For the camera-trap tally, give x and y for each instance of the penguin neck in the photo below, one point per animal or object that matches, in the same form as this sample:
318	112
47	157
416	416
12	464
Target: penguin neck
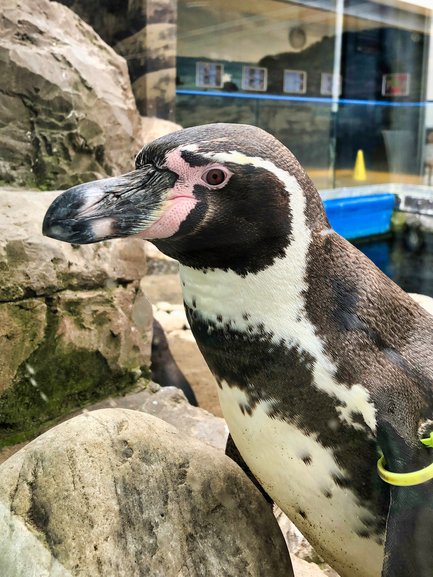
267	298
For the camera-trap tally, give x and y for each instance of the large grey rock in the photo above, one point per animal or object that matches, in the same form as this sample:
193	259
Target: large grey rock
118	492
171	405
67	111
144	32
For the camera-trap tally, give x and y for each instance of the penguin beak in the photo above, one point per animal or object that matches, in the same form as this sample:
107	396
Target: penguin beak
109	208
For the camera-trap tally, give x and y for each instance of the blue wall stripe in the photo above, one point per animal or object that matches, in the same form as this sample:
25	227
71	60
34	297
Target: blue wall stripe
321	100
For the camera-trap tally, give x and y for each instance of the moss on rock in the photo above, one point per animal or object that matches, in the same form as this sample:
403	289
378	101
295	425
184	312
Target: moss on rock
71	363
22	328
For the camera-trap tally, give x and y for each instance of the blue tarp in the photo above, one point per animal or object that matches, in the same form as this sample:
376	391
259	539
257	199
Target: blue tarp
360	216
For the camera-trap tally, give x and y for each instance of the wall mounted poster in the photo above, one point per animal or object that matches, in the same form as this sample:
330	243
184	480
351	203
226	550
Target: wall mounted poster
326	84
209	74
397	84
295	81
254	78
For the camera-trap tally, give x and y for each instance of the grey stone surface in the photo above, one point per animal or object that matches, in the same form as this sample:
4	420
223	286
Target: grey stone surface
74	325
152	128
171	405
32	265
144	33
118	492
67	110
302	568
59	353
306	562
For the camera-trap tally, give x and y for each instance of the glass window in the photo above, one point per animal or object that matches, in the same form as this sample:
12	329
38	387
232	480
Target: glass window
329	78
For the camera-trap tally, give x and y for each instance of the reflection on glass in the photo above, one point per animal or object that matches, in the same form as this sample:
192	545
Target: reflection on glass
295	81
209	74
254	78
396	84
326	82
274	65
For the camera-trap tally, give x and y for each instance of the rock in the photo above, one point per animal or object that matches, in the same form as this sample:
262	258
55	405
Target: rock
158	262
67	110
15	348
303	569
166	287
65	122
152	128
175	320
185	335
162	317
144	32
168	307
296	542
114	323
120	492
74	327
32	265
171	405
66	351
163	367
154	92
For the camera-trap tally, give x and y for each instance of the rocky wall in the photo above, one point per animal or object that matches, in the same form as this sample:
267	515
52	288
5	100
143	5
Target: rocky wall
67	110
74	325
144	33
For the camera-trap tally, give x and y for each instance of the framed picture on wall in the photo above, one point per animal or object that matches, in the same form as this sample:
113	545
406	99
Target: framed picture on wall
396	84
295	81
326	79
254	78
209	74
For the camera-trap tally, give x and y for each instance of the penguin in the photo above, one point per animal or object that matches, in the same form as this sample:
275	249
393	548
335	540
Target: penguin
323	364
164	369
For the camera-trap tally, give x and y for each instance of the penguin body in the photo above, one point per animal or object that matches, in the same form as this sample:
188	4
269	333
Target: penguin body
307	438
321	360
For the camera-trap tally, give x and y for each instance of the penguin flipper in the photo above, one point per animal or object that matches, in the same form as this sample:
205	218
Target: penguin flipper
409	525
232	452
409	532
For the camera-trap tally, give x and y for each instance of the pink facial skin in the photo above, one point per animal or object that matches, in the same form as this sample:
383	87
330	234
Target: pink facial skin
181	200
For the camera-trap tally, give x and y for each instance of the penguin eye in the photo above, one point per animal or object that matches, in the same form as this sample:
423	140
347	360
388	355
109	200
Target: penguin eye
214	176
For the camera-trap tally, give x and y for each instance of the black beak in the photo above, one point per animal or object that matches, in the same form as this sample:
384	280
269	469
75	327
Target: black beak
109	208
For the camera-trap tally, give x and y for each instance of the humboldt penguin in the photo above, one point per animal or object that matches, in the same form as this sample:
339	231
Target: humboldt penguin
323	364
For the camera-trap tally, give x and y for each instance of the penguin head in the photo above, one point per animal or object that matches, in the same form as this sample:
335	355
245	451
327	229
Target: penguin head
212	196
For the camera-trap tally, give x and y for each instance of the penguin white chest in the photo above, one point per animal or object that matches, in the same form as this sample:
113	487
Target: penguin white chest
258	326
299	474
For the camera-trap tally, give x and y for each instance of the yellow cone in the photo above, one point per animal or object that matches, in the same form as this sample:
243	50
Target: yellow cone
359	172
